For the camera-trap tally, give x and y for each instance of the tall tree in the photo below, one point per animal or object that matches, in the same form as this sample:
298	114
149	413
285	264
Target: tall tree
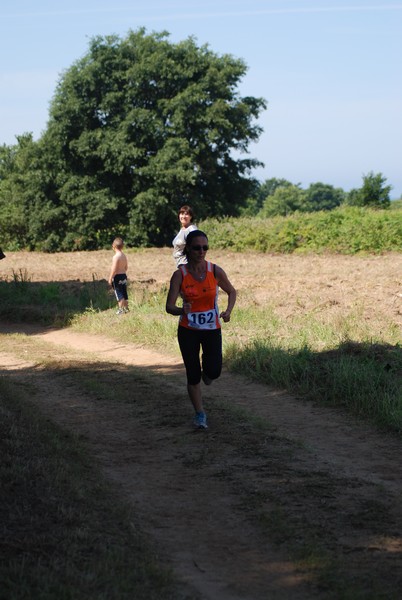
13	222
22	186
138	124
260	193
373	193
31	215
322	196
284	201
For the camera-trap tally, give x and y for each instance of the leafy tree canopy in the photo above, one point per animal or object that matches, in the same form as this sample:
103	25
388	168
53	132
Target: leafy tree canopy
25	193
284	201
269	186
281	197
373	193
259	194
138	126
322	196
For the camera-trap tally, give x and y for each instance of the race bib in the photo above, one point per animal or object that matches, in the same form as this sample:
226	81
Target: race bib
202	320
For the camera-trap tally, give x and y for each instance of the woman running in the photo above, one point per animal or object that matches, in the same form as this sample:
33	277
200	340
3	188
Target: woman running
197	283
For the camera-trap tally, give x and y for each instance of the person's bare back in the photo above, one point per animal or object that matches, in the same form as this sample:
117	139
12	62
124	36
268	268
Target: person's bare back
119	264
119	261
117	277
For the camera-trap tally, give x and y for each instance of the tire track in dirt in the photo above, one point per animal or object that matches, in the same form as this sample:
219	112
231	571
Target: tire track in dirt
196	521
332	438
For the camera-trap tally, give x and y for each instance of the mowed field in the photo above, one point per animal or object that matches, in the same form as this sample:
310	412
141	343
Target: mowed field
331	288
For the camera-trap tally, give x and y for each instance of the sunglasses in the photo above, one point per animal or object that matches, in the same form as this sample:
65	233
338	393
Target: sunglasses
198	248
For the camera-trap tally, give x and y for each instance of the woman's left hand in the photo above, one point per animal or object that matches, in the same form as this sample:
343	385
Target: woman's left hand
186	307
225	315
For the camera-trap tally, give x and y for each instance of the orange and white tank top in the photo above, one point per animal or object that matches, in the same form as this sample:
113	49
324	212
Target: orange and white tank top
203	297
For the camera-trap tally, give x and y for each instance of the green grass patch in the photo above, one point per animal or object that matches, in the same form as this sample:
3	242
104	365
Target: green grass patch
364	378
64	536
50	303
147	322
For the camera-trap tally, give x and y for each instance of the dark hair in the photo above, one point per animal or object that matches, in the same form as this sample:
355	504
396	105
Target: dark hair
193	234
186	208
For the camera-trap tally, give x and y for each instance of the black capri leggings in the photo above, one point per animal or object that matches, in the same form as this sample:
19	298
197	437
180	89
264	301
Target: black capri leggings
190	342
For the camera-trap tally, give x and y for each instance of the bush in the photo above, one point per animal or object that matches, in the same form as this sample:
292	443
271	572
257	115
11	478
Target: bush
345	230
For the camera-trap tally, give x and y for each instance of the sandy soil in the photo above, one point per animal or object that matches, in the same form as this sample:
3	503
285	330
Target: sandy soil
337	482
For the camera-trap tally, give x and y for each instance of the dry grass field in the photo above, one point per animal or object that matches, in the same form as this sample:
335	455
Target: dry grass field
329	286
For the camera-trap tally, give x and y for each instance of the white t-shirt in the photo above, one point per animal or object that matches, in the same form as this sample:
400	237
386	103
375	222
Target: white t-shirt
179	243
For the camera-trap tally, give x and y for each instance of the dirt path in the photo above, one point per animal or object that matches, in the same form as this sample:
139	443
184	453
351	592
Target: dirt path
320	476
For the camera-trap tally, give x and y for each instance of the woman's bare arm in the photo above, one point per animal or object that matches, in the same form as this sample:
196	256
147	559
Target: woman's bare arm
224	283
173	294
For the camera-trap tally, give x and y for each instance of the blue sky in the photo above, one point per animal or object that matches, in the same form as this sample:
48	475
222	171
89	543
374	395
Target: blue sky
329	70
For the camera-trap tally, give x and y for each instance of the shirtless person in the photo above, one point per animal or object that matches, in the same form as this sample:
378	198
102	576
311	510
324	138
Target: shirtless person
118	276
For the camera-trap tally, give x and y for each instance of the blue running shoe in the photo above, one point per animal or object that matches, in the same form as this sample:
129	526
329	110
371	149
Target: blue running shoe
200	420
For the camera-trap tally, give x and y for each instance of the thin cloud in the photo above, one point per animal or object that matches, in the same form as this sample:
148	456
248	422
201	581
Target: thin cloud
212	14
277	11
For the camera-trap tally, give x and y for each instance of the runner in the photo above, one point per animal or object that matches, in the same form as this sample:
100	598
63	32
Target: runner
197	282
